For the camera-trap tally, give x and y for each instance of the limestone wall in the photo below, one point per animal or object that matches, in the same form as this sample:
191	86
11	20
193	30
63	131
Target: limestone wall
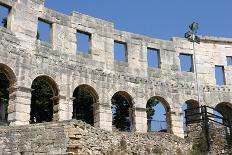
75	137
216	140
24	58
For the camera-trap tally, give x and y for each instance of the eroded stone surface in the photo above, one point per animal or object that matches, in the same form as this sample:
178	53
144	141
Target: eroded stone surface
76	137
23	58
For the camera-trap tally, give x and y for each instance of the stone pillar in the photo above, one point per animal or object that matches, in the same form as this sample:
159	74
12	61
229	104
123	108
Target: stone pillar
55	101
103	116
19	105
140	120
64	108
176	123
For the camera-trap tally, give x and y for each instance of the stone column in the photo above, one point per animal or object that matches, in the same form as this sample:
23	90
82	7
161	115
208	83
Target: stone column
140	120
64	108
176	123
19	105
103	116
55	101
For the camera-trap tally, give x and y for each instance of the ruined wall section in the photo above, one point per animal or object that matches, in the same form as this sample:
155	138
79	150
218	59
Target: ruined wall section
76	137
98	69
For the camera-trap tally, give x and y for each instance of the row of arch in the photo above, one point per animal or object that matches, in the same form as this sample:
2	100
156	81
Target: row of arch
85	100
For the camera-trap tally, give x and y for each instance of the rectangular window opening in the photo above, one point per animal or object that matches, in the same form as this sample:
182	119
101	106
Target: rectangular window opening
4	12
83	42
153	58
220	75
229	60
186	62
43	31
120	51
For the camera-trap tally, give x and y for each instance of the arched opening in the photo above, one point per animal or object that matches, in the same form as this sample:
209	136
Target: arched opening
4	98
224	110
191	110
158	115
7	79
122	113
85	98
44	89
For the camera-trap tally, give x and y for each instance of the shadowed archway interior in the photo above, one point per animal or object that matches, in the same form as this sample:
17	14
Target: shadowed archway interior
4	97
225	110
43	91
190	109
7	80
85	98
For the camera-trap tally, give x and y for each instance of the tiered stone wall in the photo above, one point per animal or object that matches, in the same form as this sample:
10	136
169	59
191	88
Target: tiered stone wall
23	58
76	137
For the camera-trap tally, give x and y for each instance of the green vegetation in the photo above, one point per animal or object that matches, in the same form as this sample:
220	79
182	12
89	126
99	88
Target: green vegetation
41	102
83	105
123	144
120	107
37	36
150	110
157	150
4	22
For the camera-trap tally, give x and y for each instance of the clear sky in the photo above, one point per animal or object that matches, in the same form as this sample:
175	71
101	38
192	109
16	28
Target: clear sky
156	18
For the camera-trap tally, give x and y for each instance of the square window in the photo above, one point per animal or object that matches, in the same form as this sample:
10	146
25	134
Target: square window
229	60
120	51
153	58
83	42
43	31
4	12
220	75
186	62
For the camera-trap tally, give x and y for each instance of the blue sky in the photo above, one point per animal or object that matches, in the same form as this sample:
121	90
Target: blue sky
158	18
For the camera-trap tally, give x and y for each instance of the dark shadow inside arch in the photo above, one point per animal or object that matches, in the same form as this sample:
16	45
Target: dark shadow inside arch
191	110
43	91
85	98
224	110
158	116
7	80
4	98
122	111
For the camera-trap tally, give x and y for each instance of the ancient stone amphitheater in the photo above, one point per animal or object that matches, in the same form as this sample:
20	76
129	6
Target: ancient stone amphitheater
24	58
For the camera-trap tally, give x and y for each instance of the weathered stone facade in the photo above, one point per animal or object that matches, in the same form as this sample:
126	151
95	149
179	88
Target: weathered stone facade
76	137
23	58
216	140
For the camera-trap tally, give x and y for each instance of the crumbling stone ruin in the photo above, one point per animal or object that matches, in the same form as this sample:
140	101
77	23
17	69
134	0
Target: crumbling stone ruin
24	58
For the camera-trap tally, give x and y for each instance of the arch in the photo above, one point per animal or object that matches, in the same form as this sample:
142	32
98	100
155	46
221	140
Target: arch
52	84
9	73
122	111
192	103
191	108
158	115
91	90
225	110
163	101
85	104
127	96
7	79
43	99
